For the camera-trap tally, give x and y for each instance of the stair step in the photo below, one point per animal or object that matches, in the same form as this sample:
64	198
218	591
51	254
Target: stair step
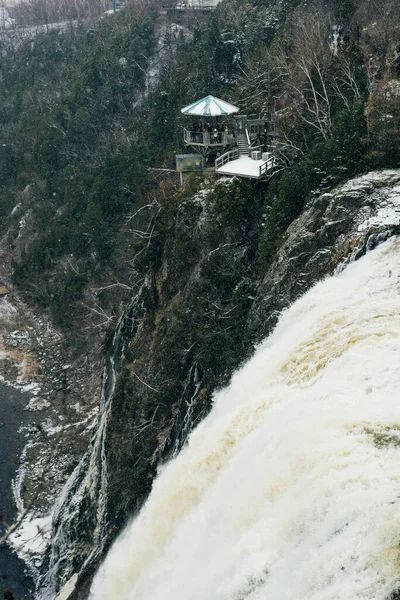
242	144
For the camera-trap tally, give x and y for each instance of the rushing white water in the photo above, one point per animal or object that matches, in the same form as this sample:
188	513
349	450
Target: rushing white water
290	488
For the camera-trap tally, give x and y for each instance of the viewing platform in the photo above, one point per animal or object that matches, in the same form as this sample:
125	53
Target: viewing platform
188	5
237	145
254	165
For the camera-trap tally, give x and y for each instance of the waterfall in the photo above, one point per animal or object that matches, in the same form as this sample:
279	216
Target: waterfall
290	488
86	488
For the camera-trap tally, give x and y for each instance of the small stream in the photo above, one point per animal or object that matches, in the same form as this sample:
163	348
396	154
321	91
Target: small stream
13	574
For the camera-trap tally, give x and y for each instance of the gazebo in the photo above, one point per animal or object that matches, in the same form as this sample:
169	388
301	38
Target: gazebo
208	132
240	146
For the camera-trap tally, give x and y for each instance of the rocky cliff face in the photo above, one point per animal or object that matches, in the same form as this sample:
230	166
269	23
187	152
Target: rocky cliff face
179	337
335	228
199	312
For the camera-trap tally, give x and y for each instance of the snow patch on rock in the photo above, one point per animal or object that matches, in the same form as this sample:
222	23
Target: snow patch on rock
32	538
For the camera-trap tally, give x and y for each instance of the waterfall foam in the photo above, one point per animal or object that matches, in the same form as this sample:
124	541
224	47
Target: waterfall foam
290	488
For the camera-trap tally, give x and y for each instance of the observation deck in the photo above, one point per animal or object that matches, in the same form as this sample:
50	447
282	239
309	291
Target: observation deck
254	165
238	145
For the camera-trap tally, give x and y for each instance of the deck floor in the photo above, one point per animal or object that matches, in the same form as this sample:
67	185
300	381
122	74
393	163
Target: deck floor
243	167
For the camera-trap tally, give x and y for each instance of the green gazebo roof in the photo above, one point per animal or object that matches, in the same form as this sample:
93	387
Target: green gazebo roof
210	106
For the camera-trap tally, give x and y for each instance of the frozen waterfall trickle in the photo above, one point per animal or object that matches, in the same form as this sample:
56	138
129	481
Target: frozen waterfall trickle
290	488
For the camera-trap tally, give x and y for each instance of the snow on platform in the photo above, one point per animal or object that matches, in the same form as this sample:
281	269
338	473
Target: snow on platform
243	166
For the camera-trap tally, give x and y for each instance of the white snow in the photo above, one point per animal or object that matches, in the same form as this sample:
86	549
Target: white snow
30	387
16	209
369	180
387	212
37	404
243	167
32	538
392	89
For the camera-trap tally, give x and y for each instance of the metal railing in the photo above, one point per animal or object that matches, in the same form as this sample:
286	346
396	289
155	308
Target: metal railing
227	157
255	125
267	166
255	149
247	137
235	154
206	138
183	6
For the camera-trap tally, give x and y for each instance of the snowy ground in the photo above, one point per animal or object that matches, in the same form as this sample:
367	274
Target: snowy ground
31	539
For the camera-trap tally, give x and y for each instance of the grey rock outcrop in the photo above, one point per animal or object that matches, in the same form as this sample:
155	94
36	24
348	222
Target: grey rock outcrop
335	228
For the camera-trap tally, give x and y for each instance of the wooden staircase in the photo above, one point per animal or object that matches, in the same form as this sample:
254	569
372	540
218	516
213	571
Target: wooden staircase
242	144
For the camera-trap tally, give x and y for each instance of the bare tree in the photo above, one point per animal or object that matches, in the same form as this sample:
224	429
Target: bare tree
260	82
305	69
345	83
